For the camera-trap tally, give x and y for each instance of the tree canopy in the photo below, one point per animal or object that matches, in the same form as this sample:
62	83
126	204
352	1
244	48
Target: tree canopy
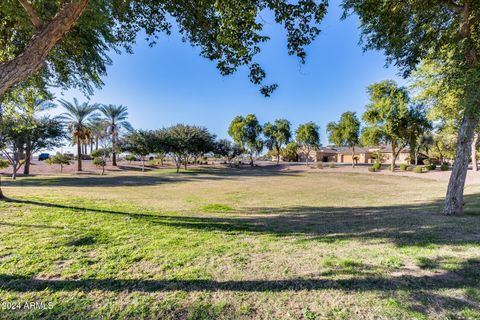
246	132
277	135
76	38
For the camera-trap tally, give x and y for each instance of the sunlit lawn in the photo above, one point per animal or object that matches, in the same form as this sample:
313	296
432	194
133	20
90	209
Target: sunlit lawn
237	243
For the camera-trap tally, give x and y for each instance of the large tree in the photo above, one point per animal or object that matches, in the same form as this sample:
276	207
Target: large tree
114	120
77	117
346	132
308	137
140	143
440	30
246	132
67	43
387	117
277	135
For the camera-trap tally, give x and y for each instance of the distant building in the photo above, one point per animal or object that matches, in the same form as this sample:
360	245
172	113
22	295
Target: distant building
362	154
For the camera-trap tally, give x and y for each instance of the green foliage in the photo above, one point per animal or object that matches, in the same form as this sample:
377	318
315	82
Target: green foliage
307	135
228	32
59	159
4	164
404	166
225	148
444	167
373	169
290	152
246	131
101	153
277	135
431	167
130	157
99	162
346	131
377	166
426	161
418	169
140	143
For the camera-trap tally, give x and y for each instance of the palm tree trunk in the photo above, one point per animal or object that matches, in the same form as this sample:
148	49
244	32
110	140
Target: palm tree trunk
114	145
79	154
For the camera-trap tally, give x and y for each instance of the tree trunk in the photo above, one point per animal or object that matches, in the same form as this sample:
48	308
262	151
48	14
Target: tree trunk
96	143
353	156
394	157
114	145
33	57
306	157
61	168
2	196
474	152
454	198
103	170
91	146
143	165
251	159
79	155
28	158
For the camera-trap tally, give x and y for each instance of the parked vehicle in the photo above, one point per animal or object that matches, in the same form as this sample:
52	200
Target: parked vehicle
43	156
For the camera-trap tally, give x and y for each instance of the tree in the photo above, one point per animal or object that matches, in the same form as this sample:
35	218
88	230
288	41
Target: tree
308	138
444	31
59	159
277	135
290	152
140	143
100	158
13	139
417	130
77	118
115	119
184	141
66	43
225	148
346	132
3	165
388	117
246	131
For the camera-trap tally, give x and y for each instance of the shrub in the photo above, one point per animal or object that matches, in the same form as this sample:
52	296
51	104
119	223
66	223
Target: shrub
426	162
403	166
418	170
431	167
372	169
444	167
319	165
332	165
377	166
130	157
99	162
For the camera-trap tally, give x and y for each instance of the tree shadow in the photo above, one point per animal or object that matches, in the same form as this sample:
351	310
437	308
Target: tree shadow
417	224
155	177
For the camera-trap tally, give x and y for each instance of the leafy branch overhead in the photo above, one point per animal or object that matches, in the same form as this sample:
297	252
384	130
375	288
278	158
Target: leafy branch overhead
76	38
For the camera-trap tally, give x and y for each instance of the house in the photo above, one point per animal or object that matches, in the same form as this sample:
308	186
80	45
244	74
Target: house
362	154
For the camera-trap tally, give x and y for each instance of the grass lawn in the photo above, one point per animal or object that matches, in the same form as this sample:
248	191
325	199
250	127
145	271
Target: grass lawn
241	243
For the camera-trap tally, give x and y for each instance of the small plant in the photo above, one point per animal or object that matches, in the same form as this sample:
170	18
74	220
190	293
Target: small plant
3	165
404	166
444	167
418	170
431	167
377	166
426	162
373	169
130	158
319	165
60	159
332	165
100	158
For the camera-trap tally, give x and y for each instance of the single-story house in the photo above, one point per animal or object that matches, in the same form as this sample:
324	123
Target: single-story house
362	154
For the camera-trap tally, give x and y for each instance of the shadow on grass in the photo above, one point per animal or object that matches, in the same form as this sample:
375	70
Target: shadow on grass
419	224
466	275
153	178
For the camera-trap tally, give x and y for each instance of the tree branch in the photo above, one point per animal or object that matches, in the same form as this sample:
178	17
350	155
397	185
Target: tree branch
32	14
453	6
35	53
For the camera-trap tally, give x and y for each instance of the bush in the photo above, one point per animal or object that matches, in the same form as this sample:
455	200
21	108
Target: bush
418	170
426	162
404	166
444	167
332	165
99	162
377	166
130	157
319	165
431	167
373	169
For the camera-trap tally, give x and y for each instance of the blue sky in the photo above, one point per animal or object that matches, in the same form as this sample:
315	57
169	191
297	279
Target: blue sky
170	83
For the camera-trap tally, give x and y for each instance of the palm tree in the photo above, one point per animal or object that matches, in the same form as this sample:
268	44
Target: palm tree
115	119
77	118
98	132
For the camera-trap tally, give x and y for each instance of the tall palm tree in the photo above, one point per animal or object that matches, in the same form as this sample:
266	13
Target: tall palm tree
77	118
115	119
98	132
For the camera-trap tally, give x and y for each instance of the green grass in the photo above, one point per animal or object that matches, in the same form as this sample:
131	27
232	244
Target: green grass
237	244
